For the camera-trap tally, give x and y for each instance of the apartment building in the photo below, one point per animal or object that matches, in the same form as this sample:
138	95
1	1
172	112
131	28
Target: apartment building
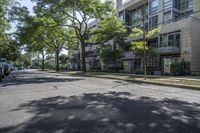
180	31
178	40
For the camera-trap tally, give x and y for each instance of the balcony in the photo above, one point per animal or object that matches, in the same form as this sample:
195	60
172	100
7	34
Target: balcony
130	4
168	50
128	55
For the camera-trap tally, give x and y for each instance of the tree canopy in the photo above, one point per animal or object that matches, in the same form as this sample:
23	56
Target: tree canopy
75	14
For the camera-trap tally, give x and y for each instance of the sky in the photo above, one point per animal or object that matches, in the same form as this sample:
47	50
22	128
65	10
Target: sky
29	5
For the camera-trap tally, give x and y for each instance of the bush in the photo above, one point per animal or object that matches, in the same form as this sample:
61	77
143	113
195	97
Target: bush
139	71
150	70
167	74
180	69
176	69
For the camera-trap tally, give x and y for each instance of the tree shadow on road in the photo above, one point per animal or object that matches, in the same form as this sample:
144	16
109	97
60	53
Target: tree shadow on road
113	112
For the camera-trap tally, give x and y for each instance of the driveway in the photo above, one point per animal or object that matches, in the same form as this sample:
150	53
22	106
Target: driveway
33	101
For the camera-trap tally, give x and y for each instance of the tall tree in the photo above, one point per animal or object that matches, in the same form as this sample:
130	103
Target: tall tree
31	35
4	22
10	50
75	14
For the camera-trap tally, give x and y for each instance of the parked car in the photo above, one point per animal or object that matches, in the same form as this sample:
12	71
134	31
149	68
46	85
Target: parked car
12	67
21	68
7	68
2	73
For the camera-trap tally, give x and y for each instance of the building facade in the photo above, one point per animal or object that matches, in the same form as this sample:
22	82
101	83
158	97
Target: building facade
178	40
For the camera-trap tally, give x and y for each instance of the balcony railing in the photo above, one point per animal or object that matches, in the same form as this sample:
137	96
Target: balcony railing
125	1
128	55
168	50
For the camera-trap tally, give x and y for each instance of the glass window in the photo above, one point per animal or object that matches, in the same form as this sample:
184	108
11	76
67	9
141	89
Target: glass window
176	4
136	16
186	5
137	63
176	16
177	40
153	22
121	16
127	18
165	41
153	7
172	39
167	4
167	17
161	41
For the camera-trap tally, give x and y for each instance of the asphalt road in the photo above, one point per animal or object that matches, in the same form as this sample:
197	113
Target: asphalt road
32	101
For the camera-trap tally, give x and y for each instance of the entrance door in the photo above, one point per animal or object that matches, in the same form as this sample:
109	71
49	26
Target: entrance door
167	64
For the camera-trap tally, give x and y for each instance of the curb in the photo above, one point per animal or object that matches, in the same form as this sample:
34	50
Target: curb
153	83
197	88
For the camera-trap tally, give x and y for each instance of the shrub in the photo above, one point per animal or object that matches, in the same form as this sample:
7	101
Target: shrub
139	71
175	69
180	69
150	70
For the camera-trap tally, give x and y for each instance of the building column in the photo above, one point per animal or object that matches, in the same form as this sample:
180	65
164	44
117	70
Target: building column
160	10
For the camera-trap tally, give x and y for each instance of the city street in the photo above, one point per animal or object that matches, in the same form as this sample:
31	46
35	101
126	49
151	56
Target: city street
33	101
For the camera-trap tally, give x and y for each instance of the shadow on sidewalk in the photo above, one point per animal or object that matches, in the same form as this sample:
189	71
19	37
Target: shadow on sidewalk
112	112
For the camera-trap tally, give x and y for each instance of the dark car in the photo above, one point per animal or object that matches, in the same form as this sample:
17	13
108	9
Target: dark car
7	69
2	72
6	66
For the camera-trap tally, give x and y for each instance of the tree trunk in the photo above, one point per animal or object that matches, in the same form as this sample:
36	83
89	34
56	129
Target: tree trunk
57	61
83	57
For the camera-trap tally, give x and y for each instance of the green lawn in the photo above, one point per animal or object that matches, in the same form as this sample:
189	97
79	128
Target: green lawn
151	79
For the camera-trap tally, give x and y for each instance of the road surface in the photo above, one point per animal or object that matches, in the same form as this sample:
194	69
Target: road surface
33	101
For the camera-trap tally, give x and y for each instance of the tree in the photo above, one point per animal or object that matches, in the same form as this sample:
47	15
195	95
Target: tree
141	45
56	40
40	37
108	55
75	14
4	23
10	50
63	59
23	60
110	28
30	34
